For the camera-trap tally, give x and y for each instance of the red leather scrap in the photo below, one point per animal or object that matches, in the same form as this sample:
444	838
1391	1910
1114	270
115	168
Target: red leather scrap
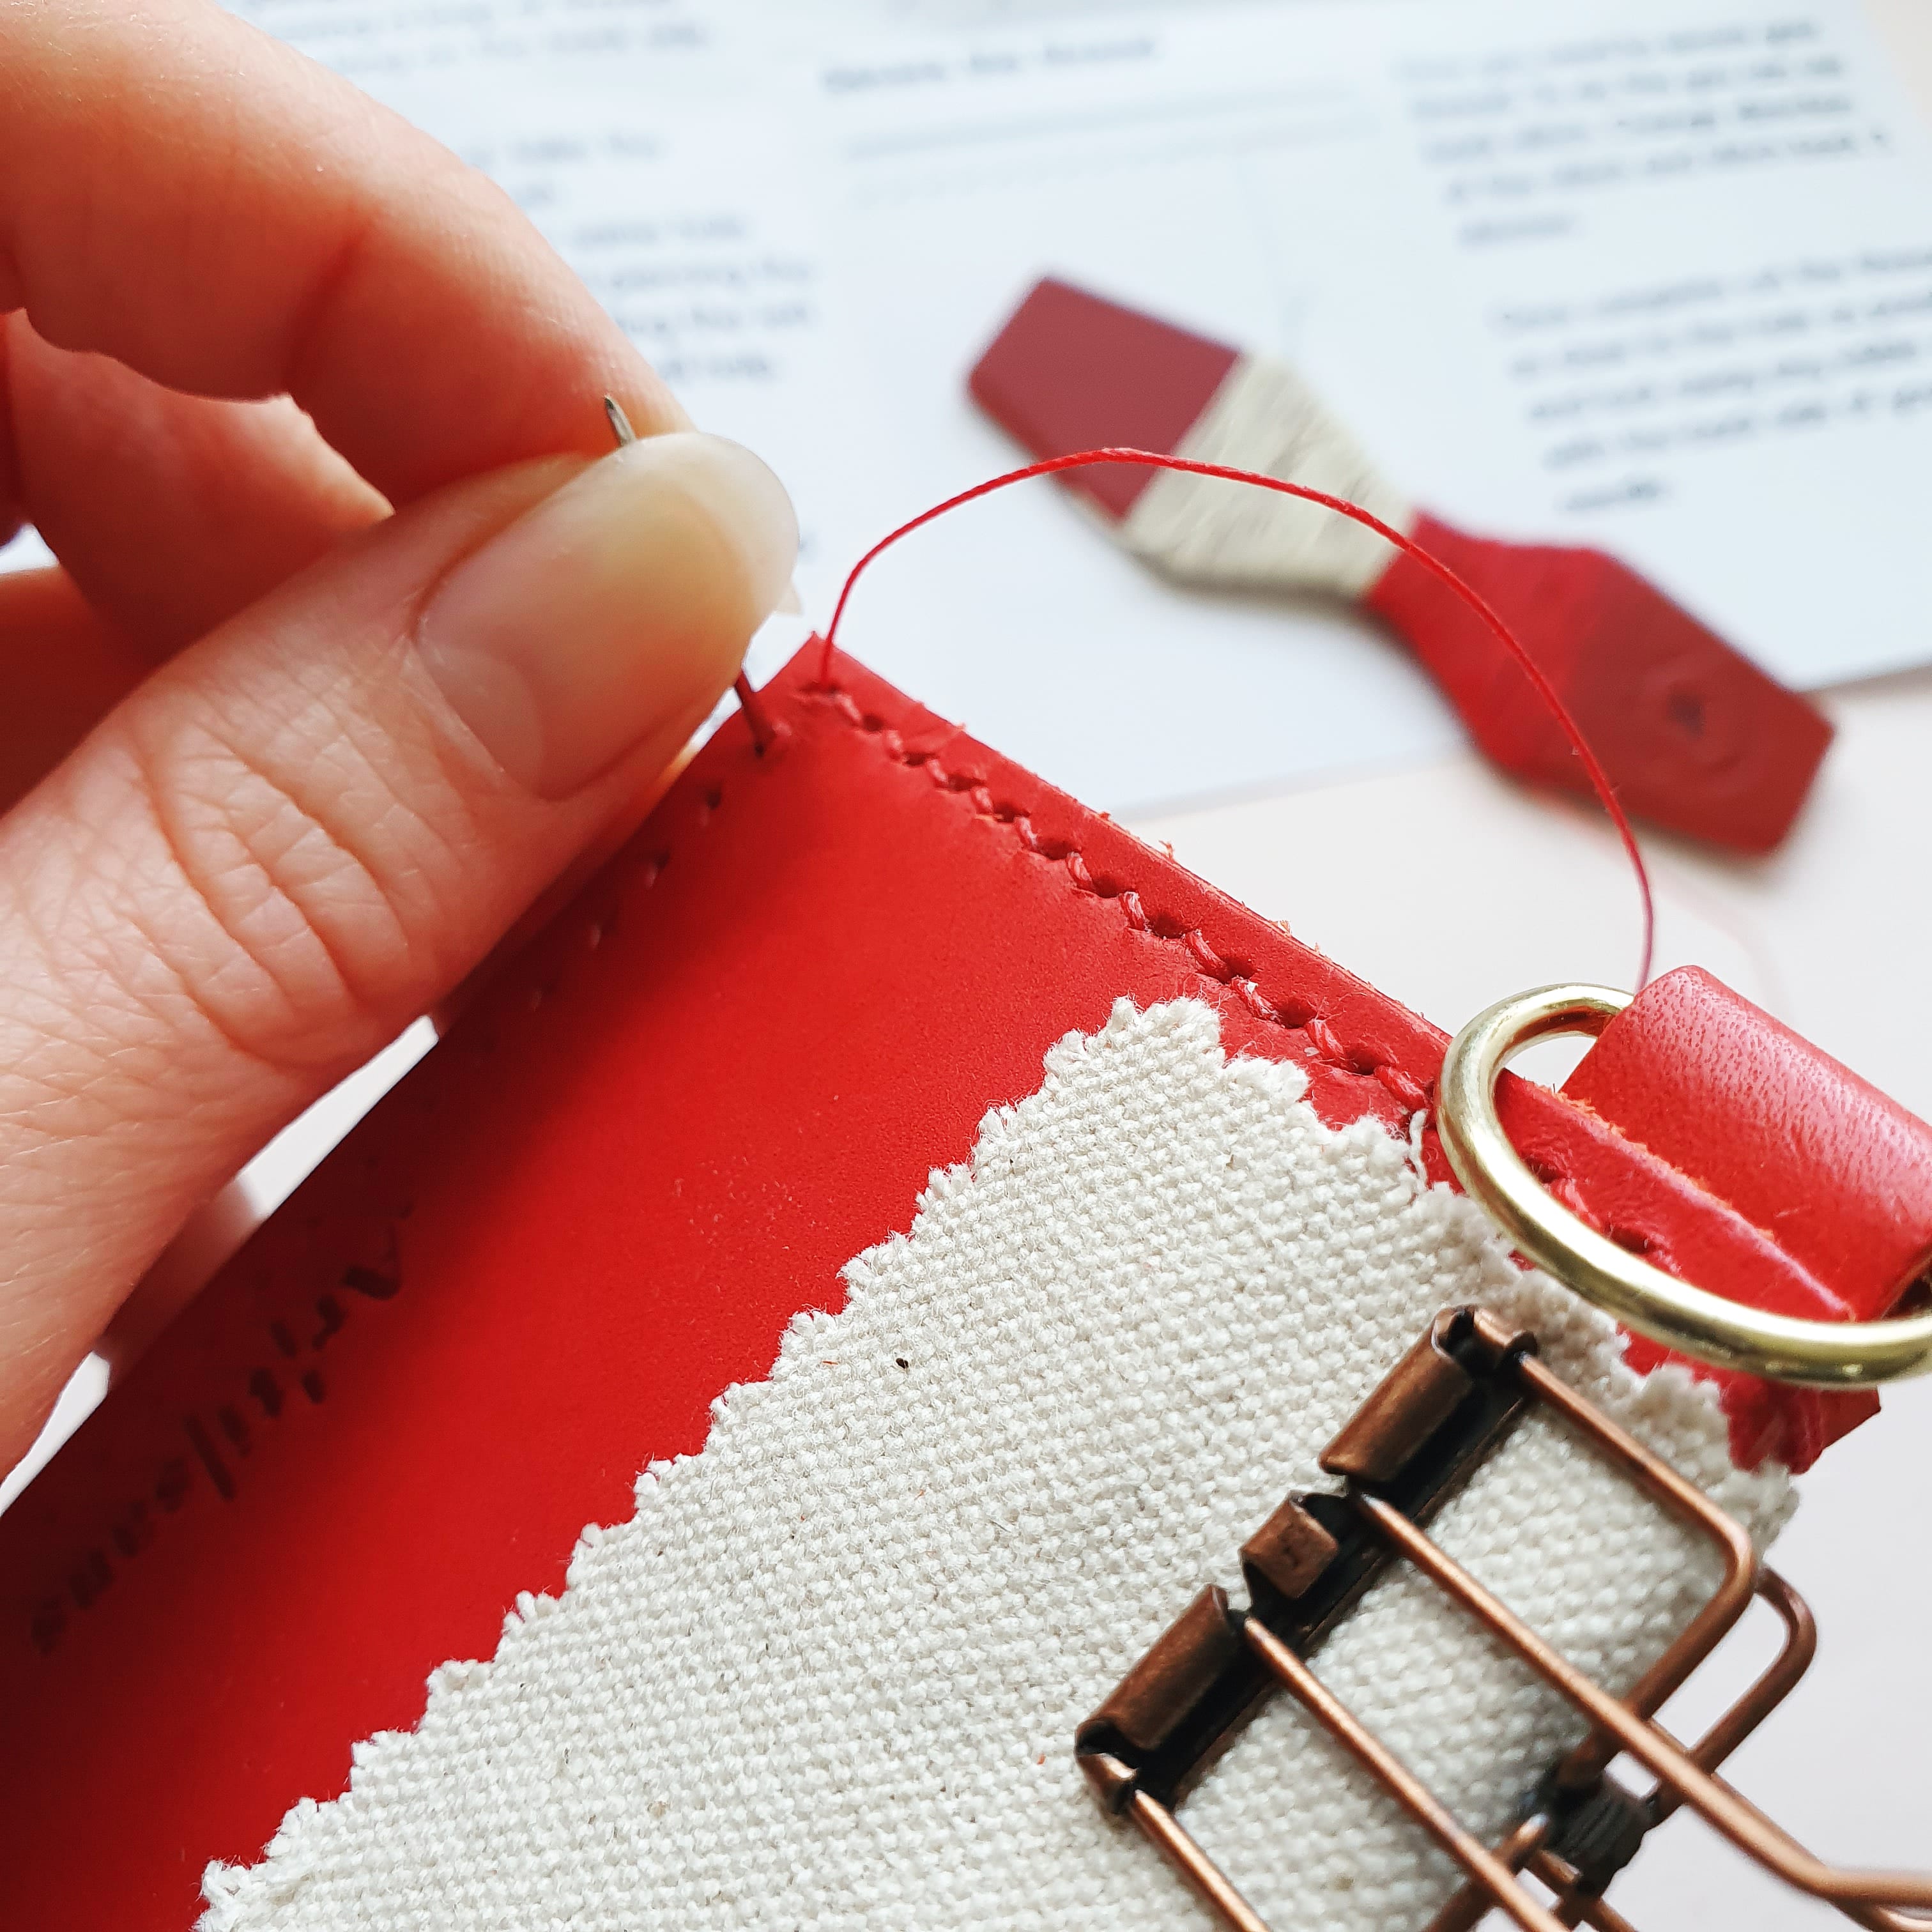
1695	737
1071	371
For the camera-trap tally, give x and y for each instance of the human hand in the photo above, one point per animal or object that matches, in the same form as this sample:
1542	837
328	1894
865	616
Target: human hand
315	756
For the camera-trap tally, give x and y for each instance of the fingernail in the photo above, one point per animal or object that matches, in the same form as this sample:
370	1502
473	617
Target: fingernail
612	615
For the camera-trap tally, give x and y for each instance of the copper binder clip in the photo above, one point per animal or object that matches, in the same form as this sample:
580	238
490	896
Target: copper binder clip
1443	1407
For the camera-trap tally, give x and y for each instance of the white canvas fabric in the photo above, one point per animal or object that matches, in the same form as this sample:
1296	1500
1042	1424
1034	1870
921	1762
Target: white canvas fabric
828	1674
1264	417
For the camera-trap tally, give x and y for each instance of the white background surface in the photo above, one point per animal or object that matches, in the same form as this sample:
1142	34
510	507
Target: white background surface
1834	934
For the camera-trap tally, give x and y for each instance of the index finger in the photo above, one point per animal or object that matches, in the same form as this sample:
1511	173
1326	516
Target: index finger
183	192
10	469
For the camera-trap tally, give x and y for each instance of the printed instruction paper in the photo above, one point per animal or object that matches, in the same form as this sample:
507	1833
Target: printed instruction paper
1656	277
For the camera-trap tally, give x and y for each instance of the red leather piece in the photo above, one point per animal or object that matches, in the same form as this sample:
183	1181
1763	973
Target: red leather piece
1836	1173
727	1067
1694	736
1070	371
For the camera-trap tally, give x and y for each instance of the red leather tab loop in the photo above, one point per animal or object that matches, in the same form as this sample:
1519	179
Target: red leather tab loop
1694	735
1836	1173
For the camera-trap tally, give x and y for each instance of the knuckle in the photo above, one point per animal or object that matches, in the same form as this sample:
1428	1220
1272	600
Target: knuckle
284	896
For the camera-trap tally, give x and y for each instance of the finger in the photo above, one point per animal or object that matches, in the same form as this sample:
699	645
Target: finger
296	835
182	192
62	669
171	512
10	510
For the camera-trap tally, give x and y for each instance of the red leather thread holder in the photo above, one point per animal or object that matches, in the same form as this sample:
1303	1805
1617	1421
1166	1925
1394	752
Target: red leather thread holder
1695	735
725	1070
1698	738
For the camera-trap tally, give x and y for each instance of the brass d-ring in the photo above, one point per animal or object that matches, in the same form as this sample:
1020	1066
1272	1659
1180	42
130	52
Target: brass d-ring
1781	1347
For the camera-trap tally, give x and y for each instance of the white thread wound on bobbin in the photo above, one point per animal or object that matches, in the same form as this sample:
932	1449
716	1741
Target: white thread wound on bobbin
1264	417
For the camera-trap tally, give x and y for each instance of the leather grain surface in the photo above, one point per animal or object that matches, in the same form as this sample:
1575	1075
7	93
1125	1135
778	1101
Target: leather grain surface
1070	371
1694	735
1839	1173
725	1070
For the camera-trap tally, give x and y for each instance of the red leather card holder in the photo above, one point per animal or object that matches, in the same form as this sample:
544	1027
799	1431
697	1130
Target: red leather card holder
726	1068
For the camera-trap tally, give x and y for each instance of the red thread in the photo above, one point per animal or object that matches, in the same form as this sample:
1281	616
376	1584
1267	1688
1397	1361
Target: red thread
1323	1037
1148	459
754	712
1257	1002
1210	961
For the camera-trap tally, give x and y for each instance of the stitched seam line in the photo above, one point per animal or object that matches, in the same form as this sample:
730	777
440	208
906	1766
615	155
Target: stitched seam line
1322	1043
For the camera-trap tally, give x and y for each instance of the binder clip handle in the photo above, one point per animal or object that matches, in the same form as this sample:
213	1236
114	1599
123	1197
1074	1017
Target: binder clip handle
1447	1405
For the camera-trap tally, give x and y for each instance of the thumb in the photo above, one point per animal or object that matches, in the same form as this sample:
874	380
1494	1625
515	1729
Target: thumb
303	830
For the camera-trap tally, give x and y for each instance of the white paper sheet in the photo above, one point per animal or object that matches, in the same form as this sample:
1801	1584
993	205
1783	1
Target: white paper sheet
1464	232
699	233
1657	277
383	44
